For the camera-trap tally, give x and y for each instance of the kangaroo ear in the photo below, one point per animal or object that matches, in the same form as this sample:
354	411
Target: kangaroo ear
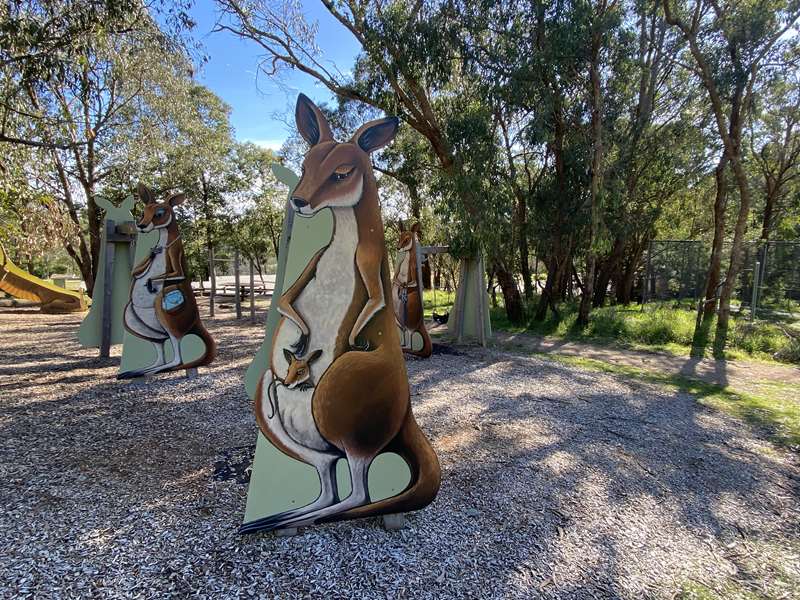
311	123
401	227
376	134
176	199
145	194
415	228
103	203
288	355
314	356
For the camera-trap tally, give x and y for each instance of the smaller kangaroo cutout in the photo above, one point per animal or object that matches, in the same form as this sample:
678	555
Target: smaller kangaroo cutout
407	296
162	308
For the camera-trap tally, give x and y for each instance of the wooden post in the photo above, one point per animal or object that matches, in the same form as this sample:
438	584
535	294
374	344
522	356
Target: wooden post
108	272
252	292
213	279
236	284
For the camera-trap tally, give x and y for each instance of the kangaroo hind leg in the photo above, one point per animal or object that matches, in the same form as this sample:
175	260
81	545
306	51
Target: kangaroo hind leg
329	495
359	470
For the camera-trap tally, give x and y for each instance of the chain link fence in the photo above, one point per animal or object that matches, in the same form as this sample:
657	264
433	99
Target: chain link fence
768	284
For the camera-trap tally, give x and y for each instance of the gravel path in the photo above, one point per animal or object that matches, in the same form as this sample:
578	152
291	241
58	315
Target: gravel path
557	483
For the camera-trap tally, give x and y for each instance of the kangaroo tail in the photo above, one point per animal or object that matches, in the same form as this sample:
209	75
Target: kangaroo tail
426	475
211	347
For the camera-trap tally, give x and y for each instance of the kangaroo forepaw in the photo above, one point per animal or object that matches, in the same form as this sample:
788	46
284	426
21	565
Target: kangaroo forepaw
300	346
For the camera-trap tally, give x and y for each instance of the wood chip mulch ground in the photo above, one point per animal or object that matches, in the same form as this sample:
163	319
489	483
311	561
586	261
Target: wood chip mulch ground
557	483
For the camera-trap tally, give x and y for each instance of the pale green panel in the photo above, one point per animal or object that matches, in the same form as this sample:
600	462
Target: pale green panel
90	332
278	483
192	348
388	476
138	353
417	341
288	483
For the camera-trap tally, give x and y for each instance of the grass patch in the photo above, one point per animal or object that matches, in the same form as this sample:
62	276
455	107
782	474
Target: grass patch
444	302
772	412
658	327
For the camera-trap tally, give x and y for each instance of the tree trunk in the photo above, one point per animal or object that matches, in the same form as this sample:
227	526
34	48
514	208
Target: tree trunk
769	209
511	295
721	334
596	182
715	263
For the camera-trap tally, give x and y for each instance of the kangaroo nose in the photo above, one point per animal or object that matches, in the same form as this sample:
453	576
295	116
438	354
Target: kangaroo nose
299	202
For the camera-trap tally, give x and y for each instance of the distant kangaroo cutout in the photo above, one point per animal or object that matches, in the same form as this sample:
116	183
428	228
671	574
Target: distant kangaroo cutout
407	296
356	403
162	308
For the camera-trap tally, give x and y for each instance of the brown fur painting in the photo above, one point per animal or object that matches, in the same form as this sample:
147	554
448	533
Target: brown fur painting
336	387
162	308
407	295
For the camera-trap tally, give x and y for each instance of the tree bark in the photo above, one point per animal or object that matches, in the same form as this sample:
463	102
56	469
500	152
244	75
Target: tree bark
511	296
715	261
597	165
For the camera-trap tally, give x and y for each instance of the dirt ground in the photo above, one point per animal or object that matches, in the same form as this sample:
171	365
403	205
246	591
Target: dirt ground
557	483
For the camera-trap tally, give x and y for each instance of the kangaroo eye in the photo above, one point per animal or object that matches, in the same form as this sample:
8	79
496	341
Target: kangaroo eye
342	173
301	371
160	213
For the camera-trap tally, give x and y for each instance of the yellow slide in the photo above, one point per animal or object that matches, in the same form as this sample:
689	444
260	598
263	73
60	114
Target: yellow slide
21	284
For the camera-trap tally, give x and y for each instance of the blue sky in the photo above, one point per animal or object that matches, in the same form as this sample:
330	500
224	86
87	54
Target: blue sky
257	102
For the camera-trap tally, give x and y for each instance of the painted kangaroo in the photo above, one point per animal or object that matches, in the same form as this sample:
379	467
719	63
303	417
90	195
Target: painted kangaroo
407	296
359	405
162	307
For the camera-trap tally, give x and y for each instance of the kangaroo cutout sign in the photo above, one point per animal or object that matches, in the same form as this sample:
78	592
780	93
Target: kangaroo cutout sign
407	295
162	322
333	398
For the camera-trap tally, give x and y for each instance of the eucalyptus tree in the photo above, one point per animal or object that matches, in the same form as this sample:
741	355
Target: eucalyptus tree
775	146
732	46
407	66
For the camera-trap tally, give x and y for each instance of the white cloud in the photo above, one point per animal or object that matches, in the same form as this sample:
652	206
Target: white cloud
274	145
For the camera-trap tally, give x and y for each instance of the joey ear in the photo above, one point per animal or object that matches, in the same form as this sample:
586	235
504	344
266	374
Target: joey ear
314	356
376	134
145	194
176	199
288	355
311	123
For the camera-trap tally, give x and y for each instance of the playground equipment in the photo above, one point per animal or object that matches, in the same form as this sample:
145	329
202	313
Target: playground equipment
52	298
407	294
162	306
330	295
103	326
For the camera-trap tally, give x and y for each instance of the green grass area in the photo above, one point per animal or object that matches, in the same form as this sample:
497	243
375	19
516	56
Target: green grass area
443	302
770	411
659	327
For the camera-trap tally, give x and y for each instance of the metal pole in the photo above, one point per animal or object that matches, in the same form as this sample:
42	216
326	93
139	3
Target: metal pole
108	290
213	279
252	292
753	301
237	284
